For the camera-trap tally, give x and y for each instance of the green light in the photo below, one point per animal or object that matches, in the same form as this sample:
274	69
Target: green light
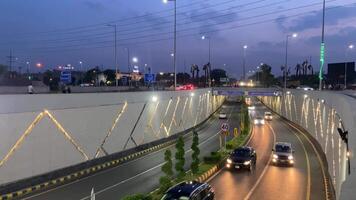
322	53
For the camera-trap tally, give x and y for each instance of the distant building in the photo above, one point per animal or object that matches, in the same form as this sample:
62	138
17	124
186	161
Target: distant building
336	73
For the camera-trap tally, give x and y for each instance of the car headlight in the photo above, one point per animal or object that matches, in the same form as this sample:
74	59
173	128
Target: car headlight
262	121
229	161
290	157
275	156
256	121
247	162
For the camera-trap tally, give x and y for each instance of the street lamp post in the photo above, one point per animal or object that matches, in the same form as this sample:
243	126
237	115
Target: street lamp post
294	35
128	59
81	71
175	41
209	41
350	47
115	52
244	63
322	50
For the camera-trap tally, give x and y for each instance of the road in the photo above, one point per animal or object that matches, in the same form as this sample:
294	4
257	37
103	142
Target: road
302	181
140	175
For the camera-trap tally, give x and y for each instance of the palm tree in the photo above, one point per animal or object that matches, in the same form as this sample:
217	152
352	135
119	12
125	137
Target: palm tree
297	68
197	70
192	70
311	69
206	68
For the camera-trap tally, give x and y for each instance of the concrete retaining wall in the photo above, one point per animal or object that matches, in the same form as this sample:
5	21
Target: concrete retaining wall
44	132
321	113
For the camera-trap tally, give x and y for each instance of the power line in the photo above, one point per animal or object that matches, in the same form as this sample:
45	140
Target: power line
194	35
149	27
190	28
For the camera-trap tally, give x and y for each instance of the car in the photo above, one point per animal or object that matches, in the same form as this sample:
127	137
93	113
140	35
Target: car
283	153
252	108
268	116
190	190
248	100
222	115
242	158
259	121
305	88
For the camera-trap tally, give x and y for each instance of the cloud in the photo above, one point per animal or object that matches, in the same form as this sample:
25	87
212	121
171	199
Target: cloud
98	6
209	18
347	34
313	20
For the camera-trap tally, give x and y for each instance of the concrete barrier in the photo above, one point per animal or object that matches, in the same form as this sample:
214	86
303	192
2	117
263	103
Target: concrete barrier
321	113
42	133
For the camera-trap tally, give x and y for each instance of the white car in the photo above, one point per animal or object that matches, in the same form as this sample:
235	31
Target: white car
283	153
252	107
305	88
222	115
268	116
259	121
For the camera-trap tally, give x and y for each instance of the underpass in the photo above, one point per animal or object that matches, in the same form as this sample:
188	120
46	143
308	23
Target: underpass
304	180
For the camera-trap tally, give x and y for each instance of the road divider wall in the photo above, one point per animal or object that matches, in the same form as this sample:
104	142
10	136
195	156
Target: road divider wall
321	113
47	132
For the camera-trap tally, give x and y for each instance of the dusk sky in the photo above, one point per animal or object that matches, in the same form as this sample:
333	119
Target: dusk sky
59	32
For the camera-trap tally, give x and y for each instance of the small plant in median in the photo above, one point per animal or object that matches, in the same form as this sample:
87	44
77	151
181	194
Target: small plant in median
165	181
195	155
180	159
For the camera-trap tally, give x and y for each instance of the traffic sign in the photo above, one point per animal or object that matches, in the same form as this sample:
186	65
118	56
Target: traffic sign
66	77
149	78
224	127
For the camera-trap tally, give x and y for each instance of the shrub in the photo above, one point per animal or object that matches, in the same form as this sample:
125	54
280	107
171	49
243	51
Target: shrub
137	197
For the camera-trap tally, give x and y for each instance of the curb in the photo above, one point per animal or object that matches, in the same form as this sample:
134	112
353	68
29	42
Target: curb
96	168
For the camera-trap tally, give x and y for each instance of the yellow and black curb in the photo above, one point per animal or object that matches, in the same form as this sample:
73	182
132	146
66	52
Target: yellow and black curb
208	174
80	174
90	170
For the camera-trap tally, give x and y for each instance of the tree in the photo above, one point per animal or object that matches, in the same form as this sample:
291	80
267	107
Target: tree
180	159
110	75
195	155
3	69
167	168
217	74
298	67
183	78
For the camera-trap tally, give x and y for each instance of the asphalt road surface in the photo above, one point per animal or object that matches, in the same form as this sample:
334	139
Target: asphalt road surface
142	174
302	181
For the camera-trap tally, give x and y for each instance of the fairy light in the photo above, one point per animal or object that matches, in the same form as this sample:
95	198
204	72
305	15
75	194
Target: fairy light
111	129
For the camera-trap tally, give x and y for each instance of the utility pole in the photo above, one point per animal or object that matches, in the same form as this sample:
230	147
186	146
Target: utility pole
11	60
322	50
115	52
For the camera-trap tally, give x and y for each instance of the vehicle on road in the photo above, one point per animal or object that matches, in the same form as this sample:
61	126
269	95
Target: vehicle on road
305	88
259	121
222	115
283	153
242	158
268	116
252	108
248	100
190	190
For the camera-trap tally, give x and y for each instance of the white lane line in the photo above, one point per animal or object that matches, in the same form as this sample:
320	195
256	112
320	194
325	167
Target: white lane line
114	168
248	196
137	175
308	164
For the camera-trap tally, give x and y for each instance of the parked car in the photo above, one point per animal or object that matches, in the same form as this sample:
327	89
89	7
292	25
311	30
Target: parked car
242	158
283	153
305	87
190	190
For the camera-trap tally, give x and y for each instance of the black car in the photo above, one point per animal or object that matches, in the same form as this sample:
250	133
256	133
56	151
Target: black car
190	190
242	158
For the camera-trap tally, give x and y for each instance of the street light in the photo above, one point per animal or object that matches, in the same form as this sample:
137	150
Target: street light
350	47
322	49
135	59
115	52
209	39
294	35
175	41
244	63
81	71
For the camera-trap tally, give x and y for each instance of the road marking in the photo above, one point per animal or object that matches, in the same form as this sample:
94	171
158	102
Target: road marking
248	196
317	154
308	164
133	177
